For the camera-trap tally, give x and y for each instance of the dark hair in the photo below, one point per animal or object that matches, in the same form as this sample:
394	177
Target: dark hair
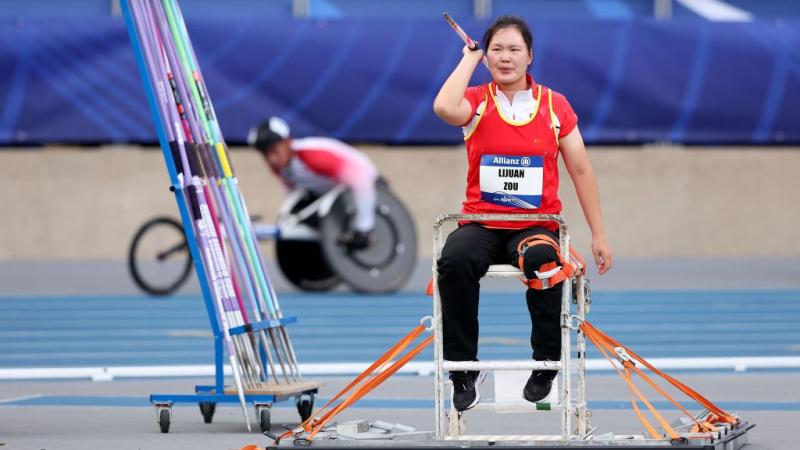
268	133
508	22
264	138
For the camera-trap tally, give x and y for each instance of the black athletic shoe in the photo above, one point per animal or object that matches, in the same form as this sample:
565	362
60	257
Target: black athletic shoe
465	388
538	385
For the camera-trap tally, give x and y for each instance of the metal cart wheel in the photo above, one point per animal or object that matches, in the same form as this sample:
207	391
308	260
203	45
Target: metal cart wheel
207	409
163	419
264	419
305	405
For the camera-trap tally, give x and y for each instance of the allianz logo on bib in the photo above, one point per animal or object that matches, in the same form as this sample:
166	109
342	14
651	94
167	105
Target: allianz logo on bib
505	160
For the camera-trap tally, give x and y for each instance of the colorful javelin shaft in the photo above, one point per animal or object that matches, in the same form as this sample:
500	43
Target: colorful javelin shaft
210	125
196	111
220	279
206	238
180	92
214	135
250	363
201	108
223	157
471	43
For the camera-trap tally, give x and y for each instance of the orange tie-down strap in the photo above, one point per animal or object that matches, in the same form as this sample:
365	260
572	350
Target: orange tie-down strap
375	374
576	265
625	356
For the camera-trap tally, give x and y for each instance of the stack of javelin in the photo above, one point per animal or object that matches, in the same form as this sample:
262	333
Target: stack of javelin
226	254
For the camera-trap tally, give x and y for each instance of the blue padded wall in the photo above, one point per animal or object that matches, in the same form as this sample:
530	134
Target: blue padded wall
690	81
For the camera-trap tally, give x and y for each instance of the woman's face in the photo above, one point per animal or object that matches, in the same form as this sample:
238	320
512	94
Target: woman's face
508	56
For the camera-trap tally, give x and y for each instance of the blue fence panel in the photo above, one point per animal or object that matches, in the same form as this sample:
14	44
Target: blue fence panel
696	82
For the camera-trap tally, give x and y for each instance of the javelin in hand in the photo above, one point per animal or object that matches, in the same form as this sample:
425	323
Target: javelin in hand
471	43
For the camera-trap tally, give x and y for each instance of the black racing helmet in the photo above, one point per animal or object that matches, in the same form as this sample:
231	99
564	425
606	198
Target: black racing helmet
268	133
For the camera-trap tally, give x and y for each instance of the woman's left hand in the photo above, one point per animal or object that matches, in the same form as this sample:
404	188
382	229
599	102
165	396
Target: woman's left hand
602	254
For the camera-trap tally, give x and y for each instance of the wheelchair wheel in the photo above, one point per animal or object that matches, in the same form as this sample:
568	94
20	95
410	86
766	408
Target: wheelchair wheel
302	262
158	258
385	265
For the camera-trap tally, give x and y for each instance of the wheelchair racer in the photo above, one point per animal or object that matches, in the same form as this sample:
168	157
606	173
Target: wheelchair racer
317	164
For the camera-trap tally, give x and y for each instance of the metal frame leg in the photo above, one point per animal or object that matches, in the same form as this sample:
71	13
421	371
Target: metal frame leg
568	408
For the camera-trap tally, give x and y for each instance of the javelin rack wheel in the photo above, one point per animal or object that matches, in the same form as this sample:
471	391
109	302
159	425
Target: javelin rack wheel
264	417
164	416
305	405
207	409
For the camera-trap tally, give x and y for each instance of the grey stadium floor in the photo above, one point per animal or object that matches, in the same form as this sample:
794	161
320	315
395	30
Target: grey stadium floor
88	316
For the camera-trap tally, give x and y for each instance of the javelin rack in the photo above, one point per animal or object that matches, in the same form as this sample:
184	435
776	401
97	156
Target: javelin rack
263	394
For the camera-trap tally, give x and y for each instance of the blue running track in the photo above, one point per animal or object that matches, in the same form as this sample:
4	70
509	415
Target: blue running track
78	331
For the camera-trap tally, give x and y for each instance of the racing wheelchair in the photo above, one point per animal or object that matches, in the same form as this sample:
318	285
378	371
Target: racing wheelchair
308	246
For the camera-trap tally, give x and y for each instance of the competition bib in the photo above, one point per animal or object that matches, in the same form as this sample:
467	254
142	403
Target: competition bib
514	181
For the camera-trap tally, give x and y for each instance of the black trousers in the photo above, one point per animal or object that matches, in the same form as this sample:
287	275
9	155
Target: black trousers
466	256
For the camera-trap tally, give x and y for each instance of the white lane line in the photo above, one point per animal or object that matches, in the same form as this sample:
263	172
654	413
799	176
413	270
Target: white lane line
717	10
19	399
737	364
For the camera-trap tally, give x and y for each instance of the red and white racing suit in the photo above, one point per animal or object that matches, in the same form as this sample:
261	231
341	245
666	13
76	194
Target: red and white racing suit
318	164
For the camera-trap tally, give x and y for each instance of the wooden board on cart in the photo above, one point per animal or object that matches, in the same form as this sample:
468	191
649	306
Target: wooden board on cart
277	389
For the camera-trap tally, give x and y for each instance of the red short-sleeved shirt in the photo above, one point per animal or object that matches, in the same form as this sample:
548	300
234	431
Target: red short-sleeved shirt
513	164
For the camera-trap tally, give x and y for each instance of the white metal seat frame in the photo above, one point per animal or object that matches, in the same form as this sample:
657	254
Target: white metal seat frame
567	407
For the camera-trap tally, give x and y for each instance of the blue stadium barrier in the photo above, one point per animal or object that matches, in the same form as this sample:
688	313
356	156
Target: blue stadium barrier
630	81
334	9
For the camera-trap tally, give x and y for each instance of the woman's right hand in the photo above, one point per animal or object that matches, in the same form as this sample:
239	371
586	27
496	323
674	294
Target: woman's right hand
477	54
